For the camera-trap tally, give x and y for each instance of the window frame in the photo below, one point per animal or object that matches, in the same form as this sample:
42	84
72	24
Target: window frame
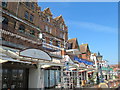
32	32
32	6
5	21
46	28
4	4
26	15
31	17
22	28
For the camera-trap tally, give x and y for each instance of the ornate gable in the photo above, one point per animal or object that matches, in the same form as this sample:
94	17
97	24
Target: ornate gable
47	11
59	18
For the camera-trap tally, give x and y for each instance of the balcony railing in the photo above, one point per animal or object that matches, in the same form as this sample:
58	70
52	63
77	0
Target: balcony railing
52	50
52	47
23	35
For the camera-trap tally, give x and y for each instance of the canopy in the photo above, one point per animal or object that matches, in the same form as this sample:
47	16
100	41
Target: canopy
82	61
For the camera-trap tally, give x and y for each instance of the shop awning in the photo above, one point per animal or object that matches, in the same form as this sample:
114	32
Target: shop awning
82	61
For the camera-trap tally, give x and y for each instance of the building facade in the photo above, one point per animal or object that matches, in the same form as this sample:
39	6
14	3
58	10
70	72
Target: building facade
29	35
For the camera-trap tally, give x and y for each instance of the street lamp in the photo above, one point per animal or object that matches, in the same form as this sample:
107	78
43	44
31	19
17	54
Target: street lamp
99	58
109	71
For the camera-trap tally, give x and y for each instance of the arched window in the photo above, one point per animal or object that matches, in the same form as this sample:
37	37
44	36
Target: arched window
4	21
22	28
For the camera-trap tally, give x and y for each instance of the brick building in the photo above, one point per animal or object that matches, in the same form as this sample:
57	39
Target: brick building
25	28
85	51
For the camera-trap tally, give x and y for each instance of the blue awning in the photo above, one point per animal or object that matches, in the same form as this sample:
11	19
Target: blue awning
82	61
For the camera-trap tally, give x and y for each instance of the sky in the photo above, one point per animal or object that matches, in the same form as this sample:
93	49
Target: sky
95	23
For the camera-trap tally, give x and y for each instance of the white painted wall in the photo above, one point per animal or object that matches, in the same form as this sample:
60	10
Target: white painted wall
36	78
92	57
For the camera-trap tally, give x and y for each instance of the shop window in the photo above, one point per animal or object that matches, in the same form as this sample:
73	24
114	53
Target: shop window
31	17
26	15
21	28
4	21
14	74
14	78
4	4
32	5
20	74
32	32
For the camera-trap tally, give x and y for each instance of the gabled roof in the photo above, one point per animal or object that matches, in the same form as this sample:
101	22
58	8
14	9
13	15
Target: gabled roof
58	18
84	48
47	11
74	43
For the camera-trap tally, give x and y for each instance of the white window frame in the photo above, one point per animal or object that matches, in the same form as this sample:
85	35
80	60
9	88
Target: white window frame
48	18
50	30
46	28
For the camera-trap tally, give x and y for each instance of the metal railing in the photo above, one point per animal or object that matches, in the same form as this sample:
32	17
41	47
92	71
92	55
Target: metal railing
22	34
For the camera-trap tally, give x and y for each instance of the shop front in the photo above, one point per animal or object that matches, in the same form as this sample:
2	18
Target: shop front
23	69
15	75
52	77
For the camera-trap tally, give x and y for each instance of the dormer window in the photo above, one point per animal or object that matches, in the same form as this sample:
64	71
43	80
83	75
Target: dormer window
62	26
48	18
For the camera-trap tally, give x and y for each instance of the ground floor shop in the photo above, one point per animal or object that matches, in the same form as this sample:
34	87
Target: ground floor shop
52	77
15	75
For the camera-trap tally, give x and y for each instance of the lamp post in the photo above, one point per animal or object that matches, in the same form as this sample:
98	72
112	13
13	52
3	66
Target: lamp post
99	59
109	71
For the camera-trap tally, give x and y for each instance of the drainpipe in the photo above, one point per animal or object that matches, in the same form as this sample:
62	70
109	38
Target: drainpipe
17	8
